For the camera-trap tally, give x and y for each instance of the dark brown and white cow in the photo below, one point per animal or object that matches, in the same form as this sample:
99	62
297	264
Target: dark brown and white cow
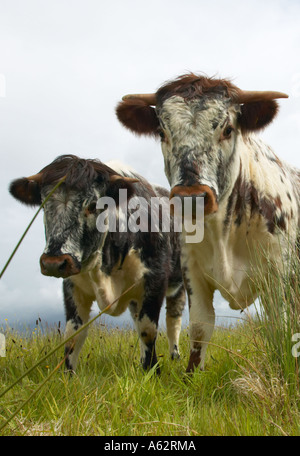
99	265
207	128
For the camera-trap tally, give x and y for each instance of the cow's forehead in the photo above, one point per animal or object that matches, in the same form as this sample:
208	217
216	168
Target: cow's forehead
67	196
206	110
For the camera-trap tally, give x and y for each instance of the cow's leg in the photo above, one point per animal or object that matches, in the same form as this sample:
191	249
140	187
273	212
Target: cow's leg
174	309
146	318
77	309
201	318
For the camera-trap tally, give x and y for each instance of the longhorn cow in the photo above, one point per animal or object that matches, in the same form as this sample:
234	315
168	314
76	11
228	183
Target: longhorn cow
251	198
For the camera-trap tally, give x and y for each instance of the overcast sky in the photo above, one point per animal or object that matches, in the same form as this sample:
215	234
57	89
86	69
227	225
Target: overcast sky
64	65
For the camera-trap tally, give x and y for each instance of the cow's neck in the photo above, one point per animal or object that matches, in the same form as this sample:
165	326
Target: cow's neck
250	181
239	225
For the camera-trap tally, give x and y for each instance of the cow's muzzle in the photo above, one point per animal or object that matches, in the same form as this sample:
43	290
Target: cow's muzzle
59	266
209	195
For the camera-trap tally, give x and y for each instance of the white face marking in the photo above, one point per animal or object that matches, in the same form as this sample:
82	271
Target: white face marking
194	148
67	222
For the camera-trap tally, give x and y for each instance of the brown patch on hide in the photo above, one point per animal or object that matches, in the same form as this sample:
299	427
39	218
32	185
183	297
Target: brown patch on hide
245	199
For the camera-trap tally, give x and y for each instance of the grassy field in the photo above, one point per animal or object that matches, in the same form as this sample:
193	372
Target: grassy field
251	384
241	392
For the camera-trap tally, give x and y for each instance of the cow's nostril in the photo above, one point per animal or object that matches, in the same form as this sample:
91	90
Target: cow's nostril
63	265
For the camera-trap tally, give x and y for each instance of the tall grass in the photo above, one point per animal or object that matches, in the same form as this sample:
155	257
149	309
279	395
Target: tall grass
280	317
111	395
275	385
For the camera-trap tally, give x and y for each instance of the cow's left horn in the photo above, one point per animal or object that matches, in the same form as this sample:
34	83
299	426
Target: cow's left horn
149	98
247	96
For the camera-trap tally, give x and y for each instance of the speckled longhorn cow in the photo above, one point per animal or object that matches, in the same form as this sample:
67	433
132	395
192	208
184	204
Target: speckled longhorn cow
102	266
207	128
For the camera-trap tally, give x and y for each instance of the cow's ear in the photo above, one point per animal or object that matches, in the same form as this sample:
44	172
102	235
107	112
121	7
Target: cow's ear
27	191
138	116
257	115
118	182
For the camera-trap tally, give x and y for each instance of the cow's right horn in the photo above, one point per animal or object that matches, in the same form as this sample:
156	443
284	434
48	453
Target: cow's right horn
35	177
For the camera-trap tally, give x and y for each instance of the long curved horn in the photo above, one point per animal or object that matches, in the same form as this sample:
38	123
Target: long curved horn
246	96
149	98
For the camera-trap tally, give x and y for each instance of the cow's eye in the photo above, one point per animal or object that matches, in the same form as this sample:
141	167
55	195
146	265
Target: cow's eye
227	132
161	134
91	209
